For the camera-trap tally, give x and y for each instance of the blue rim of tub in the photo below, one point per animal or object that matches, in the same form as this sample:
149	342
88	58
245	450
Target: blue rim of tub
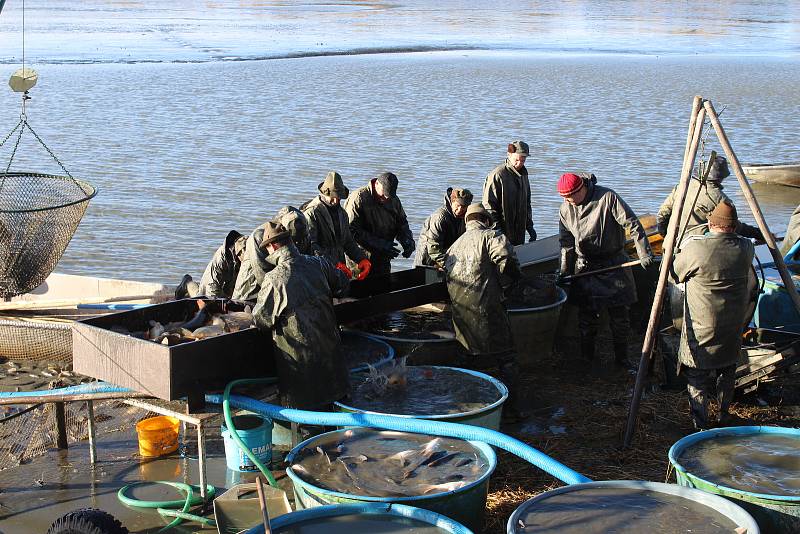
484	449
684	443
715	502
562	298
495	382
336	510
383	361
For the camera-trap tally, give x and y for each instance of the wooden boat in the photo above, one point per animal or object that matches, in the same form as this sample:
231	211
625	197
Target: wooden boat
774	173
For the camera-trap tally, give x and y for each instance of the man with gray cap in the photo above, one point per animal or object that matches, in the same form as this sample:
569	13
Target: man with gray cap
442	228
295	303
219	278
714	268
377	219
478	265
702	196
329	228
255	264
507	195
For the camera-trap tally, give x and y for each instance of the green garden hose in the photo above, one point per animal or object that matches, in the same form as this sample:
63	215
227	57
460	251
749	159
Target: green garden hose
163	507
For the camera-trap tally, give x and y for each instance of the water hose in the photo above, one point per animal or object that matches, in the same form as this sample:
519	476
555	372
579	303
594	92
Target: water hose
80	389
165	507
403	424
226	412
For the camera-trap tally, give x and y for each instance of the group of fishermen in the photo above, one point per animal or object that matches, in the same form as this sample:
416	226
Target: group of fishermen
294	265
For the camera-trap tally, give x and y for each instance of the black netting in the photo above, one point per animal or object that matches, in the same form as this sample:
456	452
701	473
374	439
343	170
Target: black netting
39	214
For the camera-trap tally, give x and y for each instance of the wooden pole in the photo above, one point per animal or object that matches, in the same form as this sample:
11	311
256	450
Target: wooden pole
690	153
262	501
786	277
603	270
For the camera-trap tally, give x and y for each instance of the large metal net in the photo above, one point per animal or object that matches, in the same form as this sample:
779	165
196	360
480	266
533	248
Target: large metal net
39	214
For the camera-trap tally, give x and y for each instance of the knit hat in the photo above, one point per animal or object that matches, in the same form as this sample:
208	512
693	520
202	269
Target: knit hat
475	211
461	196
388	181
519	147
333	186
724	215
569	184
273	232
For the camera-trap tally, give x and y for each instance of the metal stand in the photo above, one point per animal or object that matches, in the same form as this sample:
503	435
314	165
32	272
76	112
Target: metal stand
92	436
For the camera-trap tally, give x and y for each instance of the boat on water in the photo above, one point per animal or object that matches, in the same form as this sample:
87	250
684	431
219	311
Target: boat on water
774	173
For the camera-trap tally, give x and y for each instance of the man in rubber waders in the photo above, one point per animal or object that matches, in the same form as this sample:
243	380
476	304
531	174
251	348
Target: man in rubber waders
478	265
507	195
219	278
592	223
296	304
329	228
377	219
714	268
702	196
442	228
255	264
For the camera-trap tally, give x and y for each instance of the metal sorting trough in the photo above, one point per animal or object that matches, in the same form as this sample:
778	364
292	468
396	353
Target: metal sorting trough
353	518
535	329
169	373
486	417
735	513
466	505
774	513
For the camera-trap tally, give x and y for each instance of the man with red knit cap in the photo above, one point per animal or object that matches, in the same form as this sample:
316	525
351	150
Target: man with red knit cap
507	195
592	222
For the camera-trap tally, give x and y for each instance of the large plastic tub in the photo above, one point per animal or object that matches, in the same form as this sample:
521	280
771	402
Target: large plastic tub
612	520
487	416
774	513
368	517
465	505
534	330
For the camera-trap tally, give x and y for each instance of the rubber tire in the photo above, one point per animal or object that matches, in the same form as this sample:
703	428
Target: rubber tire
87	521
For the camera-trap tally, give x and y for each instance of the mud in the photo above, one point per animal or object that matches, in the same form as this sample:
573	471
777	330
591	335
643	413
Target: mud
621	510
423	391
532	292
28	375
359	350
389	464
410	324
760	463
374	523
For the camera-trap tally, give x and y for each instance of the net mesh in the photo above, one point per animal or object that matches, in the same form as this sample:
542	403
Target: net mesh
39	214
36	341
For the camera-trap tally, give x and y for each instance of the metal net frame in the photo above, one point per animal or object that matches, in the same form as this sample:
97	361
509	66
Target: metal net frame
39	214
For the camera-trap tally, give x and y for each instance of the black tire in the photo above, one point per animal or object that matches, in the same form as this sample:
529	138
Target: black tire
87	521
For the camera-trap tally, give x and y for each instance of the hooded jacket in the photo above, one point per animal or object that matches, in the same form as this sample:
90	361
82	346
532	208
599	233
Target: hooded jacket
296	303
439	232
219	278
592	236
375	226
714	268
330	236
475	264
507	198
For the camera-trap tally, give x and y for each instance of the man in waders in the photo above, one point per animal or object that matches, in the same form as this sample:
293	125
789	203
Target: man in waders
377	219
219	278
702	196
296	304
714	269
792	232
478	265
442	228
329	228
592	222
507	195
255	264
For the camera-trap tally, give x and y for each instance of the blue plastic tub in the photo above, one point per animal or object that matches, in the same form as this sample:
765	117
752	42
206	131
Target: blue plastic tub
774	513
256	432
385	512
465	505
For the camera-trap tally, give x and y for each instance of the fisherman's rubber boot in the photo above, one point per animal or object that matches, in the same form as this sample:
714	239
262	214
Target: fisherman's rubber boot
698	403
726	382
621	355
514	409
182	291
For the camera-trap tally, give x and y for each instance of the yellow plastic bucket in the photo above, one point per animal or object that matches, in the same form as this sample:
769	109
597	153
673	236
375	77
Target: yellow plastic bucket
158	435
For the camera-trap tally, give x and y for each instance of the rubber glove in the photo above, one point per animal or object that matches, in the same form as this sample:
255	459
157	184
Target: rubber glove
532	235
647	261
408	250
363	266
347	272
392	252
